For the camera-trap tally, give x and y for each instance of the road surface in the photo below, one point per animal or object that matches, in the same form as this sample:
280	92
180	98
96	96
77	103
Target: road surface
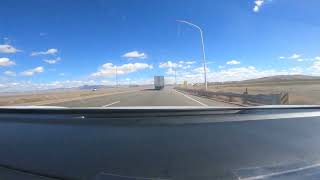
145	97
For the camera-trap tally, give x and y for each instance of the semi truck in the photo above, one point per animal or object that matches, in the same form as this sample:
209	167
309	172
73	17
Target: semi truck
158	82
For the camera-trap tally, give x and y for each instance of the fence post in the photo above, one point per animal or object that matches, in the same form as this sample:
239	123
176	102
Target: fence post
284	98
244	97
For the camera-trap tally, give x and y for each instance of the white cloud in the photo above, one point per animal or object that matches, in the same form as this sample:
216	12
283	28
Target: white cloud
168	64
52	61
8	49
258	5
32	72
187	62
10	73
170	71
48	52
135	54
317	58
109	70
234	74
200	70
294	56
176	65
233	62
6	62
316	65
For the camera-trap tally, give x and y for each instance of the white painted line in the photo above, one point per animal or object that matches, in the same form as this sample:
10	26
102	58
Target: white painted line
267	176
191	98
111	104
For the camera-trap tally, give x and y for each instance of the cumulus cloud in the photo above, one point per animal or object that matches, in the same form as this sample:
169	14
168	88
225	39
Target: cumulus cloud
33	71
6	62
48	52
171	71
176	65
294	56
52	61
109	69
257	5
168	64
317	58
187	62
234	74
200	70
233	62
8	49
135	54
316	65
10	73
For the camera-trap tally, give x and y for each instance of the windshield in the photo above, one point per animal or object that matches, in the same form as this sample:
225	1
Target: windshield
132	53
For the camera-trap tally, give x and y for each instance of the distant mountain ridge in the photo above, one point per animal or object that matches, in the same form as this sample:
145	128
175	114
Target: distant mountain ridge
277	78
282	78
89	87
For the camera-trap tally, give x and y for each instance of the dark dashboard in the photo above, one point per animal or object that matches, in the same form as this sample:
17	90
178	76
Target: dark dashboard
160	143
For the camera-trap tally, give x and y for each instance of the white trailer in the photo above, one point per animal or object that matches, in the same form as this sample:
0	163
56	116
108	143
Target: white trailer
158	82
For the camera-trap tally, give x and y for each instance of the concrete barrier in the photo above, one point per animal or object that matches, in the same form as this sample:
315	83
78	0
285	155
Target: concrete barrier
246	98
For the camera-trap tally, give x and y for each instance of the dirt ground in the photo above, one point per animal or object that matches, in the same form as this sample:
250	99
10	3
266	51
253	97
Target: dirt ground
47	97
300	92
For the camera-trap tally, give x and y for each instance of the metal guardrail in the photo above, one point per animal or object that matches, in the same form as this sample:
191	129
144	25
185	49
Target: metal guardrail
246	98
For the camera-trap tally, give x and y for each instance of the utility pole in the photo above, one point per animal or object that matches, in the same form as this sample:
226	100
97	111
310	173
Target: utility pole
203	50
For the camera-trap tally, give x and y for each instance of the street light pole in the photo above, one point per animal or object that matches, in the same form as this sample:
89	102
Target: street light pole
203	51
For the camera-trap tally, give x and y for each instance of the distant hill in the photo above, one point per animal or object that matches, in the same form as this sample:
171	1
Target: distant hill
277	78
89	87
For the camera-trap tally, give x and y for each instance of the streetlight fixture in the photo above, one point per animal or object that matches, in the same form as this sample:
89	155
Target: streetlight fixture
203	51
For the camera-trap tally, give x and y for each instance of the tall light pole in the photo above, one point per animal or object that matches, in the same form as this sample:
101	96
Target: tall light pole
203	51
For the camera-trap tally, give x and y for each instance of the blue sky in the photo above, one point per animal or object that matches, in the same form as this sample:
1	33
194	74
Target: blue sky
49	44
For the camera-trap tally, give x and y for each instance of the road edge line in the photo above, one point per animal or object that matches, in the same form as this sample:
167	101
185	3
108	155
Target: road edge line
191	98
111	104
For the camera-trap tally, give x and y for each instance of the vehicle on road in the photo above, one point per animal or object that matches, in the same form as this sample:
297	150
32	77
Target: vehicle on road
159	89
158	82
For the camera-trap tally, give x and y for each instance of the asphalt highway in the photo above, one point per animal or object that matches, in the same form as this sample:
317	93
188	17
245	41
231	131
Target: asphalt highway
145	97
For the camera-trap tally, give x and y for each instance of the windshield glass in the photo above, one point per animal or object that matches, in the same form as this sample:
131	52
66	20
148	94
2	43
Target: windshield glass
129	53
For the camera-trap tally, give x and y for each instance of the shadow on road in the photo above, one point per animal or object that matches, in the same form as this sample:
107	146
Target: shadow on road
149	89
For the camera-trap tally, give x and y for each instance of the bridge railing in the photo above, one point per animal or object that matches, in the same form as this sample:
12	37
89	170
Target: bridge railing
246	98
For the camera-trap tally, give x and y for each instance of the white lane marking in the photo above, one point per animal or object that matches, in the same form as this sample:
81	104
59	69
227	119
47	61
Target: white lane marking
111	104
281	173
191	98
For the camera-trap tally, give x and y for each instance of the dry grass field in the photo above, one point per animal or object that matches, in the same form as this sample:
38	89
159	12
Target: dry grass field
48	97
304	92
